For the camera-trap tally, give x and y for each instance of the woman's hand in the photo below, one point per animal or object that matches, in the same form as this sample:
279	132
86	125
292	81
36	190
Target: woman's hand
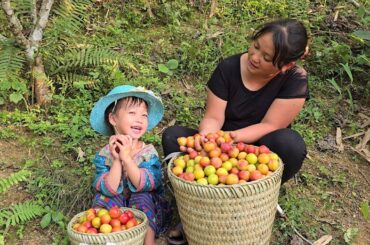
214	115
234	136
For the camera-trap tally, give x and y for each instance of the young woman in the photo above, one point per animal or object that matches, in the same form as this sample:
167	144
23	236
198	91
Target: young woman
256	95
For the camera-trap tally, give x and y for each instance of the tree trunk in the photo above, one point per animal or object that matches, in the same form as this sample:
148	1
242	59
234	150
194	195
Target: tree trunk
39	79
31	44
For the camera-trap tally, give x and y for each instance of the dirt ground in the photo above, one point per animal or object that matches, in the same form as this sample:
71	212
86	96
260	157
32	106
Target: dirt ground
347	172
351	186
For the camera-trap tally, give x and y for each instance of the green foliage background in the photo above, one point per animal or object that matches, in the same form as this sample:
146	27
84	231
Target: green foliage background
91	46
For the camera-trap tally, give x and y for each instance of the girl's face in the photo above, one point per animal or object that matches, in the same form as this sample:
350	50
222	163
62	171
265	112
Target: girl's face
260	54
130	119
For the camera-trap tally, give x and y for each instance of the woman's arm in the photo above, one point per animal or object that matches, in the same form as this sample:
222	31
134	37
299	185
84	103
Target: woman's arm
280	114
214	116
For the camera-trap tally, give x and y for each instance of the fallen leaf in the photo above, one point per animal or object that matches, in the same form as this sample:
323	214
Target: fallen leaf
216	34
213	8
364	153
363	143
338	140
80	153
171	123
365	124
323	240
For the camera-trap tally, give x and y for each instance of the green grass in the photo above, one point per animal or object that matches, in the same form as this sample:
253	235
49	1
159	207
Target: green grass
63	143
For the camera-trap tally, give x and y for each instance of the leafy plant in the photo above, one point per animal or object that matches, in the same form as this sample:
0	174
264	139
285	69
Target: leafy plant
152	138
12	60
350	234
73	69
364	17
364	208
13	179
69	18
262	8
169	67
19	214
335	85
28	20
53	216
329	55
20	231
347	69
56	164
363	35
352	106
6	133
294	208
188	110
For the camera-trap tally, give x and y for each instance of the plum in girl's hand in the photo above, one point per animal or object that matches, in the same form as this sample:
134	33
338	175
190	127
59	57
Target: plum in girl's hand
117	148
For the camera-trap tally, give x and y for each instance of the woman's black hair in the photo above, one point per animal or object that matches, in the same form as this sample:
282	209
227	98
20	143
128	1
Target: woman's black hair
289	37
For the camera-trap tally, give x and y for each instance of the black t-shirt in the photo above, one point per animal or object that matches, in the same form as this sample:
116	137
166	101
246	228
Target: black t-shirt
245	107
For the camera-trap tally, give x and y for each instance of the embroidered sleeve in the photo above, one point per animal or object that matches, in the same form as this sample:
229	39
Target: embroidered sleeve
100	183
150	175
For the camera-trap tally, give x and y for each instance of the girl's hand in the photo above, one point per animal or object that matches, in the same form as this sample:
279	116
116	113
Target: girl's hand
124	143
113	148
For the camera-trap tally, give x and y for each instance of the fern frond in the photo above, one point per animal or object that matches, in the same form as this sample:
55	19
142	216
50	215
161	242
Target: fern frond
69	79
88	57
20	213
91	83
4	215
71	14
25	211
23	6
12	60
13	179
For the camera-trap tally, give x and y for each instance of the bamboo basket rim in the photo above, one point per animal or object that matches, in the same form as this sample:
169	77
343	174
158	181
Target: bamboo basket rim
248	183
141	214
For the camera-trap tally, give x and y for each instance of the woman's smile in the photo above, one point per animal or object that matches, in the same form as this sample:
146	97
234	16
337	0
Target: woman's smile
252	65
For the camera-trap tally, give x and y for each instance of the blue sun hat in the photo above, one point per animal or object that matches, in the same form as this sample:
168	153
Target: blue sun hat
155	107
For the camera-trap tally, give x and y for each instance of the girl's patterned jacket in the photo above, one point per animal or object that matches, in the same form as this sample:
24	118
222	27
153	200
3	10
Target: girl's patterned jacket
150	172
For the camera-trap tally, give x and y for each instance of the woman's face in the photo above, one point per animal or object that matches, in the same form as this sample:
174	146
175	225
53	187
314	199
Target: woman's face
260	54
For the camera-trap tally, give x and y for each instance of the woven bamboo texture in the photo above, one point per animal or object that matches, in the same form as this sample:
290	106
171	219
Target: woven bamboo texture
132	236
223	215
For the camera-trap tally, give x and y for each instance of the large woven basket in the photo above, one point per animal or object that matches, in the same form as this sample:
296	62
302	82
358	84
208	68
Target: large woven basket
132	236
228	214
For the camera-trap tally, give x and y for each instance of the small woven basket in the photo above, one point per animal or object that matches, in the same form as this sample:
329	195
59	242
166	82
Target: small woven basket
228	214
132	236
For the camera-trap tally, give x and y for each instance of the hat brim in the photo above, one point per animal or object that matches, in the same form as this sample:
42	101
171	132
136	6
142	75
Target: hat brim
97	116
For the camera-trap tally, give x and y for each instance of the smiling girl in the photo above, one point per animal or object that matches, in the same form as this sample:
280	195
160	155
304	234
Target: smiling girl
128	171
